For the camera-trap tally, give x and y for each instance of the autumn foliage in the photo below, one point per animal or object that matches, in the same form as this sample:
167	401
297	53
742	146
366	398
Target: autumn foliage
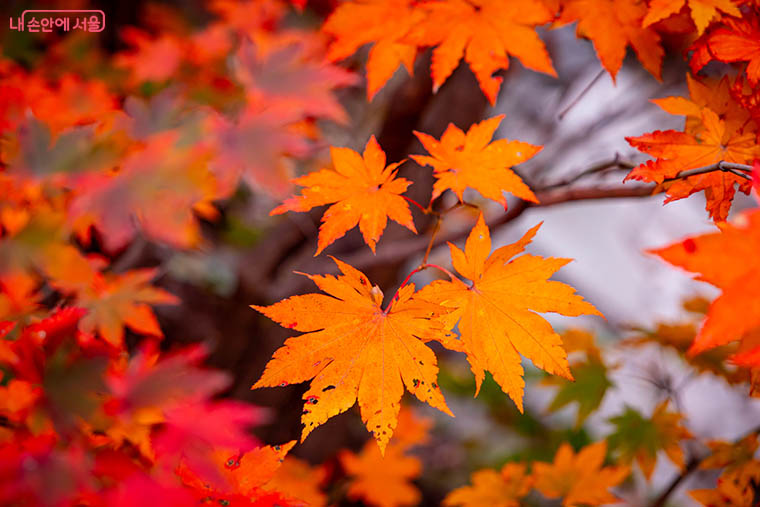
122	171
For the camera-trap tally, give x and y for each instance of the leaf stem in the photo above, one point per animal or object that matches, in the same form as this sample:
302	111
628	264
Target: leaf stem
419	268
424	210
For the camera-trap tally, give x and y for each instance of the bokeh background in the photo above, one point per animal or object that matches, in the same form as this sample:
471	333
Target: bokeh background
581	118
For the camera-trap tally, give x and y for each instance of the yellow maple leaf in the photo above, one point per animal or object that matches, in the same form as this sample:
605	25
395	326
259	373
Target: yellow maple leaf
498	314
364	190
353	349
579	478
471	160
496	489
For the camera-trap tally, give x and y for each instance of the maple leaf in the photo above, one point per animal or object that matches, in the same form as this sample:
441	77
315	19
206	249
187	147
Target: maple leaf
498	314
738	42
36	154
19	296
484	33
679	337
471	160
254	148
27	356
365	192
703	12
243	473
353	349
612	25
717	96
382	478
145	387
288	77
591	380
162	112
489	487
735	487
150	59
382	22
117	300
640	438
157	187
299	480
714	257
579	478
191	433
680	151
412	429
731	455
17	398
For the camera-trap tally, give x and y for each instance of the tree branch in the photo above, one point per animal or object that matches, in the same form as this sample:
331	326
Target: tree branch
729	167
691	466
397	251
559	192
615	163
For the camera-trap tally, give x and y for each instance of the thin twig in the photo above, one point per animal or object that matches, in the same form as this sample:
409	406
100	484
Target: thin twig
594	169
741	170
583	92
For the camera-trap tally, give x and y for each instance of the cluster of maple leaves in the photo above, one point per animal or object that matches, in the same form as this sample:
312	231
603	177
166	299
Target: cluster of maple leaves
100	152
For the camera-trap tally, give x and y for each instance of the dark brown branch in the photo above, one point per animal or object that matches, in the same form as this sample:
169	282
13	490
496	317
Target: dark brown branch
399	250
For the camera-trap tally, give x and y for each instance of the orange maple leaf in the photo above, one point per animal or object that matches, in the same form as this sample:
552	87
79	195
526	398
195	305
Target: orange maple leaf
497	313
727	260
299	480
287	76
702	11
353	349
382	22
489	487
680	151
17	399
612	25
157	187
114	301
485	33
471	161
243	474
717	96
737	43
384	479
579	478
364	190
150	59
254	147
